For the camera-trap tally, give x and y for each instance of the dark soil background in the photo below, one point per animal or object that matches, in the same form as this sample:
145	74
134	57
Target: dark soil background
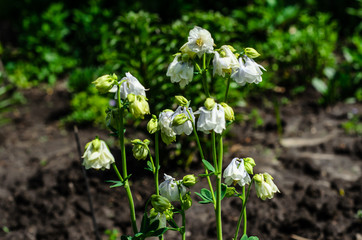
316	165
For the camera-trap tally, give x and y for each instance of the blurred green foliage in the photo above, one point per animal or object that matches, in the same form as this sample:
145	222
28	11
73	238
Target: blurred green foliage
303	44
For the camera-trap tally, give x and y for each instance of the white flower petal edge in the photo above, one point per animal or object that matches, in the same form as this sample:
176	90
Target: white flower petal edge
169	189
187	127
129	85
235	173
211	120
224	64
97	159
248	72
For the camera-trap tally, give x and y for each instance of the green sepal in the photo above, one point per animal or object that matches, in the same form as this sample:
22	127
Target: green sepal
208	165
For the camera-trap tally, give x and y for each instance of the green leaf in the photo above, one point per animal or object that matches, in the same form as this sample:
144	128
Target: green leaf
172	223
205	195
208	165
206	175
244	237
159	232
149	166
145	222
253	238
116	183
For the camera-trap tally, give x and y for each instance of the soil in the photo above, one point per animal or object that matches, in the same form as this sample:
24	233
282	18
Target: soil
315	164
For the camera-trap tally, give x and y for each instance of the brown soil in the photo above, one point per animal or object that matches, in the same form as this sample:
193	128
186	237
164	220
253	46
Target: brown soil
317	167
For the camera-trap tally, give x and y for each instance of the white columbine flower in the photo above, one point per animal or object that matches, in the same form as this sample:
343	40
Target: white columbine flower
168	135
186	127
97	155
129	84
200	41
264	186
235	173
224	64
211	119
169	189
248	72
180	72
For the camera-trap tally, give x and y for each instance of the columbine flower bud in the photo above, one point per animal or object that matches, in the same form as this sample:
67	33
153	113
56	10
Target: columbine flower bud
97	155
229	112
182	101
235	173
138	105
209	103
186	201
185	118
159	203
249	164
105	83
179	119
189	180
169	189
264	186
230	192
152	125
140	150
251	52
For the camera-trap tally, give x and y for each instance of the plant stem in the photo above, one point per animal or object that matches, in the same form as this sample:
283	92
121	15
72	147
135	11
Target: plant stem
243	210
157	162
227	90
183	228
244	207
218	191
203	158
124	162
214	154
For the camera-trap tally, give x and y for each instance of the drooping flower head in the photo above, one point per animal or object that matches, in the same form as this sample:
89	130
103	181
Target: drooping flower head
180	71
97	155
226	62
248	72
105	83
168	135
200	41
235	173
170	190
264	186
129	85
138	105
212	118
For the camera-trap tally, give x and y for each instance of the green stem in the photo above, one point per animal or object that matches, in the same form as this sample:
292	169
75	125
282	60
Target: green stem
227	90
243	210
245	217
183	228
124	163
117	172
214	154
157	162
203	158
218	191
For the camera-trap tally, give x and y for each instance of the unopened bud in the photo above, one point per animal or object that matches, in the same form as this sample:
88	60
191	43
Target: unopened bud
139	106
186	201
229	112
179	119
105	83
182	101
249	164
251	52
140	150
209	103
152	125
159	203
230	192
189	180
